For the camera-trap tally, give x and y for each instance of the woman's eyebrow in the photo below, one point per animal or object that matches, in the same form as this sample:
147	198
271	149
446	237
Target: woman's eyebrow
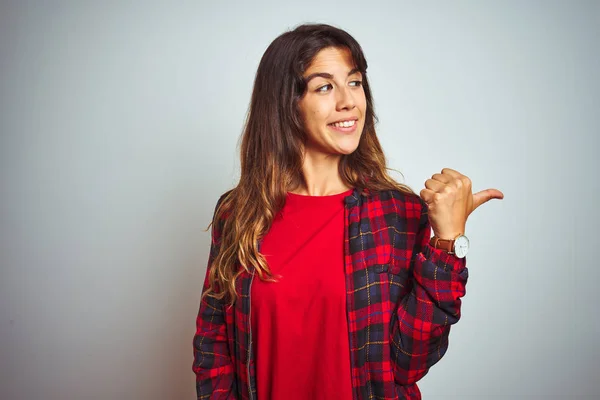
327	75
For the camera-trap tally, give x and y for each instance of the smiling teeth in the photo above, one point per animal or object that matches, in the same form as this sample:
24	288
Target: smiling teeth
345	124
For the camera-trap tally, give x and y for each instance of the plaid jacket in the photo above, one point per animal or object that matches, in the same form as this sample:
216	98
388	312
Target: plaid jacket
402	298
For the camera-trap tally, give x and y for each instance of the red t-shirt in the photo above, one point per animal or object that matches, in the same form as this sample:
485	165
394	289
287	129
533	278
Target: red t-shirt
299	325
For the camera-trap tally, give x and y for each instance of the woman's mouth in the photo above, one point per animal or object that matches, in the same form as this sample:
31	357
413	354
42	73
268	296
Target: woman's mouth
344	126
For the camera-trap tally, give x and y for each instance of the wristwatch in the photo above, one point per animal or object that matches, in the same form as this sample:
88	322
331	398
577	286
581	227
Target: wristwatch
458	246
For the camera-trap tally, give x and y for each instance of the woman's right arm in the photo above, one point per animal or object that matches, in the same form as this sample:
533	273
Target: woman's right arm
215	375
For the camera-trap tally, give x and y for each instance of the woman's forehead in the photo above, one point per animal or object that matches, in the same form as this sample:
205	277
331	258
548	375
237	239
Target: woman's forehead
331	60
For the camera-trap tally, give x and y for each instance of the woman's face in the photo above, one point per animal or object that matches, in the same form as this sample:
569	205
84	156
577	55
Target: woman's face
334	104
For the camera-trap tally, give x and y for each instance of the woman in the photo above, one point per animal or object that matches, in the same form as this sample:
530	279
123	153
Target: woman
322	281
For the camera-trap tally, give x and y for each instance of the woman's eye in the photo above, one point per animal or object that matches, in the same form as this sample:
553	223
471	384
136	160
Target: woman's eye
324	88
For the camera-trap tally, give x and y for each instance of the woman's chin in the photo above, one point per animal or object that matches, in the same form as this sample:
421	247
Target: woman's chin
347	148
346	152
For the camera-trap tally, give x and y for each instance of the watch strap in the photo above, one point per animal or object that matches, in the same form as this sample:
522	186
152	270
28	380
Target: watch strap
446	245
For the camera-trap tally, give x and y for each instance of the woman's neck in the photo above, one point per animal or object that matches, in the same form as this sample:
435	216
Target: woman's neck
321	176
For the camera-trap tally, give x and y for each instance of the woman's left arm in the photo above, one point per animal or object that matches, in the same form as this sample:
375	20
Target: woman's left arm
425	314
419	337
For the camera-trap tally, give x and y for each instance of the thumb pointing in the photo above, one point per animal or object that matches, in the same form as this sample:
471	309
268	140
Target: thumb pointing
486	195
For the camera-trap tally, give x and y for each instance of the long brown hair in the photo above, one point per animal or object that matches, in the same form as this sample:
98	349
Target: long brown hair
271	154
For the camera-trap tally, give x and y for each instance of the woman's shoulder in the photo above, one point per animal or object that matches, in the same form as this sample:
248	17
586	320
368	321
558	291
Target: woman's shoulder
217	212
400	206
402	198
222	198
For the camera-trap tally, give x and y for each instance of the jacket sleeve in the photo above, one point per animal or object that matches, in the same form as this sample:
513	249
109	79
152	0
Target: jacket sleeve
426	312
215	376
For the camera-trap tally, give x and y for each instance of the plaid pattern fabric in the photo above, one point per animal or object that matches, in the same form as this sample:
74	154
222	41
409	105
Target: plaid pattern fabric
402	298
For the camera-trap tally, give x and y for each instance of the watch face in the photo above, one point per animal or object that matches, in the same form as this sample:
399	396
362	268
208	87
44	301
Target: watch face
461	246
